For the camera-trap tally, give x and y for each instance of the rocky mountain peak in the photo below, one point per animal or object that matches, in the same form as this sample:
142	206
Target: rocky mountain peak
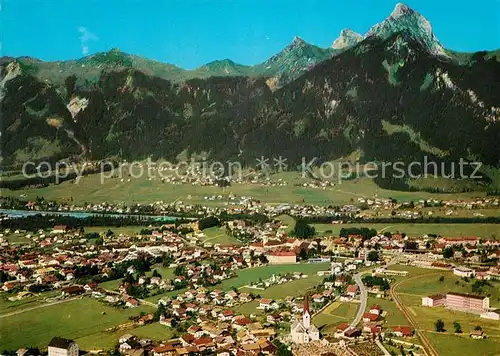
401	10
346	39
297	41
410	23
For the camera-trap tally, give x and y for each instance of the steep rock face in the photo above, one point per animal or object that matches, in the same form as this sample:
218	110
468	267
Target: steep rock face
347	38
411	24
342	104
293	61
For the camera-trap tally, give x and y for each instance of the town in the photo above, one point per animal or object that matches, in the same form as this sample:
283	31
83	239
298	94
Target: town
244	287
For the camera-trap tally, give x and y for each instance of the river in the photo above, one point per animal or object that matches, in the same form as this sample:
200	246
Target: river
81	214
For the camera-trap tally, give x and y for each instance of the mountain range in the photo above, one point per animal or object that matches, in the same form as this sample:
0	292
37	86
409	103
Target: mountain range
394	93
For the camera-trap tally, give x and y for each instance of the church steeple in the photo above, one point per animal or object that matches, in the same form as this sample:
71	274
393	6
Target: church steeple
306	317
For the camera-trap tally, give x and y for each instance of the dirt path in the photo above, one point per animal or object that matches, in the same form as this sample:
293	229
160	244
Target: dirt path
428	347
37	307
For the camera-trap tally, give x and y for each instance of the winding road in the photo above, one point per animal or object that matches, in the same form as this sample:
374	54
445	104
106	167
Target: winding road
363	298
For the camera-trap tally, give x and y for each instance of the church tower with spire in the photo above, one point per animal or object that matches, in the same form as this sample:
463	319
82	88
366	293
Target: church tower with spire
306	316
303	331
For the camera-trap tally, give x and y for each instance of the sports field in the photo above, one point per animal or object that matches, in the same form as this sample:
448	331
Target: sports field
75	319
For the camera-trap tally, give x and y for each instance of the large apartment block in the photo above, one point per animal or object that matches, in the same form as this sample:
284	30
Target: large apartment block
467	302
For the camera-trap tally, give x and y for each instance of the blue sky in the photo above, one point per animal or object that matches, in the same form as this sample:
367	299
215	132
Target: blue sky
191	33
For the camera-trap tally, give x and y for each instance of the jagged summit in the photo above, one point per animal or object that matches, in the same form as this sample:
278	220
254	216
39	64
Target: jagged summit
409	22
401	10
347	39
298	41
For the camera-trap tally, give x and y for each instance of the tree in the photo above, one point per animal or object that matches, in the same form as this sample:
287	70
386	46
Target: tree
263	258
439	324
156	274
448	252
109	233
159	312
441	279
282	349
303	230
411	245
179	270
457	327
373	256
478	328
209	221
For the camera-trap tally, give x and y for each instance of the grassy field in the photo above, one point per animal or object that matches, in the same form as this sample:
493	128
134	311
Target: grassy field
165	272
75	319
125	230
293	289
429	284
393	316
7	306
92	189
217	235
334	314
447	343
415	230
107	340
248	275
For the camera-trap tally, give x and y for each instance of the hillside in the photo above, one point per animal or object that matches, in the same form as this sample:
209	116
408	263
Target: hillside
393	95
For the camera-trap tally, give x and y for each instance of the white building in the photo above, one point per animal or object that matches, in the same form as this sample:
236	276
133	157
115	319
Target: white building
59	346
434	300
303	331
463	272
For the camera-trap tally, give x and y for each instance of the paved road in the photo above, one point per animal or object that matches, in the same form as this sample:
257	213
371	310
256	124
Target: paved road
363	298
362	307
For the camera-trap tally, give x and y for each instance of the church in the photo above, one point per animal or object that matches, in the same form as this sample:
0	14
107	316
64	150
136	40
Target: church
303	331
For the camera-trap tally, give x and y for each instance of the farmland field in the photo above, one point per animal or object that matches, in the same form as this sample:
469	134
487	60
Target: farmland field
415	230
75	319
335	314
141	190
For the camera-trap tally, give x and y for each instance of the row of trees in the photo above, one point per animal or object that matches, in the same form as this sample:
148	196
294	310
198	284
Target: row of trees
440	327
